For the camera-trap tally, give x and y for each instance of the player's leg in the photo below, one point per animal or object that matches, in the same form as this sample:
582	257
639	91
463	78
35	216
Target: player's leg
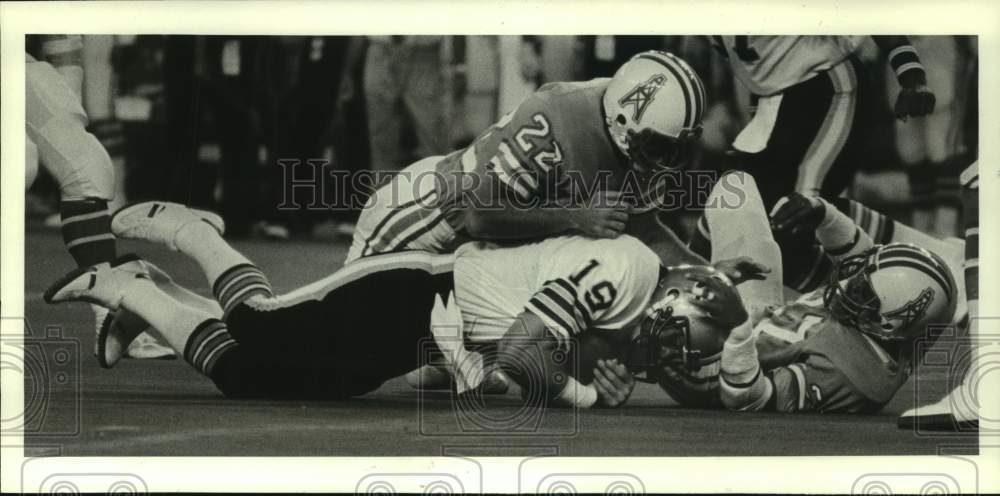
403	215
204	340
739	226
956	411
56	123
197	234
364	323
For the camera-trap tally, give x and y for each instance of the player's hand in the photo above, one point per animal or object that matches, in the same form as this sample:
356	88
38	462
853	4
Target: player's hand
605	217
614	383
742	269
914	101
796	213
719	299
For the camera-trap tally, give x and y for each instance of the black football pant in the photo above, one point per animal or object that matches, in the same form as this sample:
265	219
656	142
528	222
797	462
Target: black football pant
344	344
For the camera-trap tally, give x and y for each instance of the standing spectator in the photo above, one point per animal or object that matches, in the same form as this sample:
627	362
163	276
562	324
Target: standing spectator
402	73
229	77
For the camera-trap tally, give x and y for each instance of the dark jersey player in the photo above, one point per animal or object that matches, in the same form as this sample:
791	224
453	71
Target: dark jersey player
571	158
844	348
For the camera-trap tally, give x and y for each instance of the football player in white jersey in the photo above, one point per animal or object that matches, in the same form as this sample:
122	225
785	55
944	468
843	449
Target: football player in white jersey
57	137
530	301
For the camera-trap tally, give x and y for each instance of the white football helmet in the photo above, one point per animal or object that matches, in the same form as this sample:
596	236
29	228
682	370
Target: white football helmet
892	292
653	108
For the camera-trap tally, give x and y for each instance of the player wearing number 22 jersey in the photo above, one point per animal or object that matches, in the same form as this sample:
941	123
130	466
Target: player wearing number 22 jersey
559	147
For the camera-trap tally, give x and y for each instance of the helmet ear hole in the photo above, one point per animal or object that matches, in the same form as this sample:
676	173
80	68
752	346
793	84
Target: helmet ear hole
887	327
621	119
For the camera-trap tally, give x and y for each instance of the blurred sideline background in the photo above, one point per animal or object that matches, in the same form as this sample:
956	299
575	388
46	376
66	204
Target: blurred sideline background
208	120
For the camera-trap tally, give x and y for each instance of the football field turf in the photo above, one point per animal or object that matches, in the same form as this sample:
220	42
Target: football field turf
163	407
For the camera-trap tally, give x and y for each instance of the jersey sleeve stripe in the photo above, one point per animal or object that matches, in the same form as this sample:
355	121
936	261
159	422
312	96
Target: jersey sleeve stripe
800	382
551	320
515	168
569	294
563	306
505	177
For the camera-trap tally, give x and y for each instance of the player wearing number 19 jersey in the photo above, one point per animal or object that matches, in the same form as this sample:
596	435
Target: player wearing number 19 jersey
525	176
346	334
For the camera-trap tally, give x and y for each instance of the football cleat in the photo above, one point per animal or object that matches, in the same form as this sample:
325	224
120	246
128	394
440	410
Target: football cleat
103	284
114	335
159	222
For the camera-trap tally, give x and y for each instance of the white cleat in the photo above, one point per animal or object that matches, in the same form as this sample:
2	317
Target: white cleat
952	413
123	334
114	335
103	284
159	221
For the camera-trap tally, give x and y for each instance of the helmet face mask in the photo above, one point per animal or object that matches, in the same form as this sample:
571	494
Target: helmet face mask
660	336
651	151
675	333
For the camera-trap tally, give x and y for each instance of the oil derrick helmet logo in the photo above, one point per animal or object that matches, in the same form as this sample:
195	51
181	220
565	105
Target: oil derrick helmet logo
642	95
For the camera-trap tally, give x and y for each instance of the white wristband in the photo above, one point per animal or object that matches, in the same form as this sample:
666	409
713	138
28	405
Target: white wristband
576	394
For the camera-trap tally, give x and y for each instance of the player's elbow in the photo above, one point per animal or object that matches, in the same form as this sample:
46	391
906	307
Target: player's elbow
478	224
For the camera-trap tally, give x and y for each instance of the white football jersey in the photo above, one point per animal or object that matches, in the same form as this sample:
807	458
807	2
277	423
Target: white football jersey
572	283
769	64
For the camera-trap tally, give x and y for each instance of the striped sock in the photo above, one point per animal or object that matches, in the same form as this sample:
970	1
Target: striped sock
209	341
238	284
86	230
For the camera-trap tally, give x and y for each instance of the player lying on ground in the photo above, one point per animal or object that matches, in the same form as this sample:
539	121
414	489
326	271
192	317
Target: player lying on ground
574	157
57	137
847	347
346	334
